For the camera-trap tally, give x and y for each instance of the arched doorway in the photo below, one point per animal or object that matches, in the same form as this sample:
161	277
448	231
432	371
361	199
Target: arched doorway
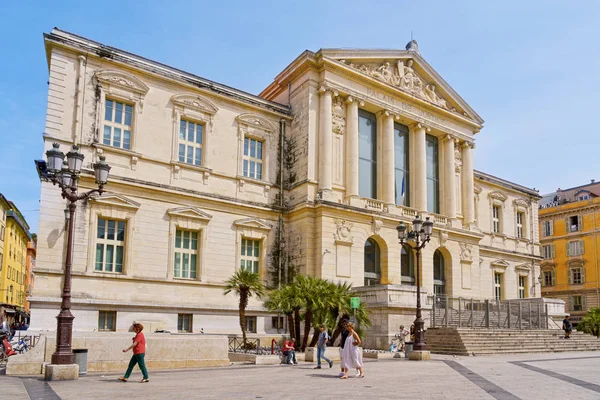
439	274
407	266
372	263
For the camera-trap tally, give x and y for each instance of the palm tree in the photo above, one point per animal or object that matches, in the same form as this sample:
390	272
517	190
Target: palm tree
244	284
286	301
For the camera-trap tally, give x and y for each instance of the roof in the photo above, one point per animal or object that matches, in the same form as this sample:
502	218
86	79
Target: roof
4	202
154	67
16	215
503	182
563	196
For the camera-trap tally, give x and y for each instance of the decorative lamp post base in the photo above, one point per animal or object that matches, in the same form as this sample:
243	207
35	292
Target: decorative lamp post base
66	372
419	355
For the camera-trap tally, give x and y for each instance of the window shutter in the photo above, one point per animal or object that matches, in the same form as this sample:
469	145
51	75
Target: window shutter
567	225
551	224
553	251
568	249
553	278
581	250
570	302
582	274
584	302
569	276
580	222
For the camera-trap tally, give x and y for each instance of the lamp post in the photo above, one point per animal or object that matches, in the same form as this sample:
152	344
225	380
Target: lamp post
416	239
66	175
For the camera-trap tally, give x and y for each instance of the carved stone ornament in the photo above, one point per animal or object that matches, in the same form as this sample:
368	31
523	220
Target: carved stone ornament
339	115
403	76
443	238
457	159
377	224
343	231
123	80
465	252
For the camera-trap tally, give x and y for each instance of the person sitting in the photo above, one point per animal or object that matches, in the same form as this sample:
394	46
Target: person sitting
289	351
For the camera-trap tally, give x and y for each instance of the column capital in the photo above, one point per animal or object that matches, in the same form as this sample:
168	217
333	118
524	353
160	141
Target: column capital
384	113
324	89
420	125
352	99
470	145
450	138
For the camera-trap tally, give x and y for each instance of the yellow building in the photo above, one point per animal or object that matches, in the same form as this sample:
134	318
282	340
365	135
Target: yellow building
569	237
4	207
14	269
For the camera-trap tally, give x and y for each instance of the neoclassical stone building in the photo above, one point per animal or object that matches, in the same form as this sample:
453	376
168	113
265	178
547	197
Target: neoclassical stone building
319	168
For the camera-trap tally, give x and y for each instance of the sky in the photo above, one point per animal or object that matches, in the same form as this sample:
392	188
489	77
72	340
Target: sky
528	68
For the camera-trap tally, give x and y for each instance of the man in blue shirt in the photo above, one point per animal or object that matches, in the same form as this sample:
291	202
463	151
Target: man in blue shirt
321	346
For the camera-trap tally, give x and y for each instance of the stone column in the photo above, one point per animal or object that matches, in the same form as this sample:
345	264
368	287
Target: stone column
449	178
388	170
325	139
418	164
351	148
468	189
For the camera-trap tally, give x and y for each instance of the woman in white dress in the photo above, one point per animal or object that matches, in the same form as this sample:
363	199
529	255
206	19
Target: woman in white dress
351	354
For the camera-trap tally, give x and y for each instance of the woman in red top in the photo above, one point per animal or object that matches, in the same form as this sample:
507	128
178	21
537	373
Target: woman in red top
139	351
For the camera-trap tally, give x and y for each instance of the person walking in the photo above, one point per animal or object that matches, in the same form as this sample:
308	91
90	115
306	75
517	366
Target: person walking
401	336
139	351
321	346
567	327
351	355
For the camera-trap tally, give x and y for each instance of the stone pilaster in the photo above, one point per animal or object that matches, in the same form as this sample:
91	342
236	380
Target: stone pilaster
351	148
449	178
468	190
418	166
388	181
325	139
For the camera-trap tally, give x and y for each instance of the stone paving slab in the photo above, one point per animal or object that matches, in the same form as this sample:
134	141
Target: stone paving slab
510	377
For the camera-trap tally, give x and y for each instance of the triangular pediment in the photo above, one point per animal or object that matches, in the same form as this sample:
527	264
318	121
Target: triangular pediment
123	80
256	121
194	101
407	71
115	200
189	213
499	264
253	223
523	267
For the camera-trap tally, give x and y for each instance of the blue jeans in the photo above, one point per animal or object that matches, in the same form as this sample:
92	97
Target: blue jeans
321	354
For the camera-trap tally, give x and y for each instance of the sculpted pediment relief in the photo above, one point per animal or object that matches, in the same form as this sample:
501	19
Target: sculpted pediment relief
123	80
521	202
497	196
256	121
253	223
195	102
115	200
406	75
499	264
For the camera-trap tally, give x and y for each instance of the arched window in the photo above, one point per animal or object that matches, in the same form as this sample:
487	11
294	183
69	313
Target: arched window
407	266
372	263
439	275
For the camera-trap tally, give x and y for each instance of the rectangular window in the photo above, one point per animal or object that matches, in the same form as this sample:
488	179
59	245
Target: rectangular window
548	228
186	254
520	218
251	324
367	155
190	142
277	322
575	248
496	219
401	164
250	255
574	223
522	287
110	245
433	183
498	286
107	320
184	322
253	158
577	303
576	276
118	119
548	251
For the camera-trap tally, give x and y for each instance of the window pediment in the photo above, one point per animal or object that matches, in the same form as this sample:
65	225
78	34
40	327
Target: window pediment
194	102
189	213
252	223
547	265
521	202
523	267
497	196
576	262
499	265
122	80
115	200
256	121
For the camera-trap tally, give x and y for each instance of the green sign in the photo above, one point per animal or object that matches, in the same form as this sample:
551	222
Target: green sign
355	302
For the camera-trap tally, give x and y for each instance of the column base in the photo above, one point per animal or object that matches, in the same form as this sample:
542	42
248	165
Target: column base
66	372
420	355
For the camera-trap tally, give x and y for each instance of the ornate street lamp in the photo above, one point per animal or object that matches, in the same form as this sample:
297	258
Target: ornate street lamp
66	175
416	239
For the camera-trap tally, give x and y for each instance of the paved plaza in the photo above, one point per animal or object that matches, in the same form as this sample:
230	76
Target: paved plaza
528	376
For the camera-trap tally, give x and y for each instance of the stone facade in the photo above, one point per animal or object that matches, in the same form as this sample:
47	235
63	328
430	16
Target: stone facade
310	149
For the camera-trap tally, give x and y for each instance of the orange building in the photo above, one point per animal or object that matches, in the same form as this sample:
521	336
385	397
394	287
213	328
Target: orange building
570	242
30	267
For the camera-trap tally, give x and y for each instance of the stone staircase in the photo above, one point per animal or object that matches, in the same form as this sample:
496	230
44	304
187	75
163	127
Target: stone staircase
498	318
465	341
